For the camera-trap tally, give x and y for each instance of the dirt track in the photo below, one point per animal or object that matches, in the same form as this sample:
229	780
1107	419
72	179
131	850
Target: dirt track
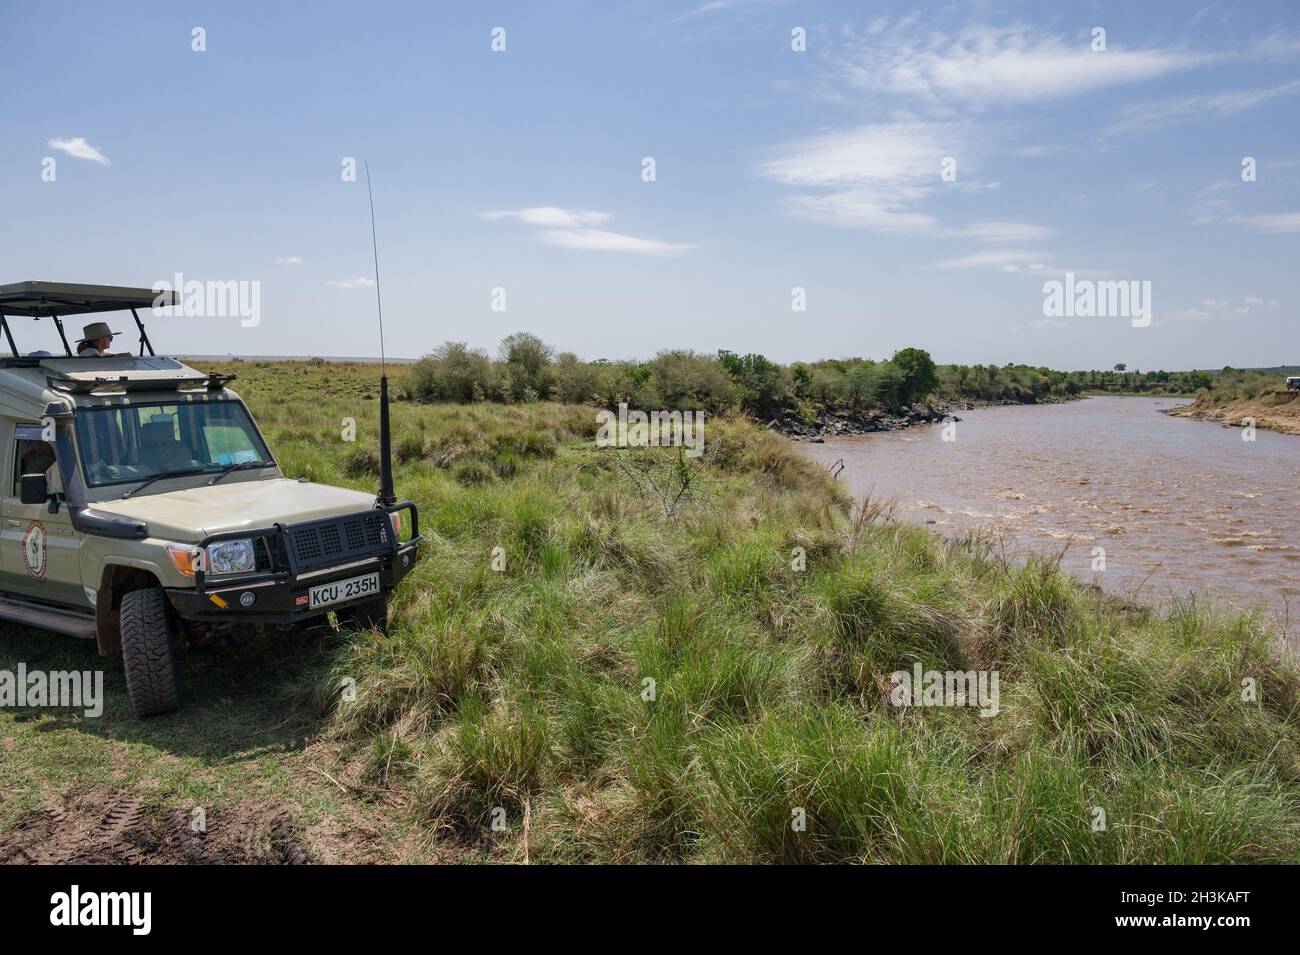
100	828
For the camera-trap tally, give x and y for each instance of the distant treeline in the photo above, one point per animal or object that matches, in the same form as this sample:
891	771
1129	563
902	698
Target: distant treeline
1022	383
528	369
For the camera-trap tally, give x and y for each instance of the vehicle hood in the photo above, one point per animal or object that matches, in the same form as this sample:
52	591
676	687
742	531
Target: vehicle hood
190	514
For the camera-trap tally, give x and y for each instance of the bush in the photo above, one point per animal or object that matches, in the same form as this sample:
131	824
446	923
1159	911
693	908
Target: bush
454	372
360	462
686	380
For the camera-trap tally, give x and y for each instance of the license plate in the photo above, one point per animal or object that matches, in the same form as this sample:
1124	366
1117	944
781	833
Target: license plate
323	595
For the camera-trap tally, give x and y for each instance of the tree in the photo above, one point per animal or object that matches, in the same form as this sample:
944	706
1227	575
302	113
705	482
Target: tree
760	382
1121	367
528	361
919	377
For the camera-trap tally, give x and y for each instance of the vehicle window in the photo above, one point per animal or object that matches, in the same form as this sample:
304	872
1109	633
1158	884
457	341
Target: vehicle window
31	456
136	442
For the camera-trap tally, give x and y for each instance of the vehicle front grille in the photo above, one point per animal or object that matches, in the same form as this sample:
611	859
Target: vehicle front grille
337	540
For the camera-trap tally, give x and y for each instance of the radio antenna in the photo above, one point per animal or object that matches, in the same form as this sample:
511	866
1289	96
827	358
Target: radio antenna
386	494
379	300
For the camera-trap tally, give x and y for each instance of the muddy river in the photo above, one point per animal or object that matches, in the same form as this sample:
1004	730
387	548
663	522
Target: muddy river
1179	506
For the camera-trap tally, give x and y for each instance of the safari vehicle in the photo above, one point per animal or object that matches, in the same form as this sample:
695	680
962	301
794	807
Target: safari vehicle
143	509
1293	383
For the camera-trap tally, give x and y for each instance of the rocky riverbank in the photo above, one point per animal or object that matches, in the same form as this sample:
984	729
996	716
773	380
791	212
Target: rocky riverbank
845	424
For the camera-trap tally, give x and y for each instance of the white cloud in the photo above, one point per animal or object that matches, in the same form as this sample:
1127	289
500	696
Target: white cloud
1005	231
550	216
1008	260
1209	309
881	153
289	260
1038	151
359	282
1211	206
78	148
1281	222
713	6
1146	117
1278	44
601	240
1019	262
984	66
571	229
875	177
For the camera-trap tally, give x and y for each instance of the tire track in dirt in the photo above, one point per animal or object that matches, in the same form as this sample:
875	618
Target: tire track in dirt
111	828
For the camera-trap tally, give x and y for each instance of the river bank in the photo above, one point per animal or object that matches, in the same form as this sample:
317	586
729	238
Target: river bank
1277	410
847	424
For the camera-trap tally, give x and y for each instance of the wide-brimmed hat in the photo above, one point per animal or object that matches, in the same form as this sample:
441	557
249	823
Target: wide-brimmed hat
96	330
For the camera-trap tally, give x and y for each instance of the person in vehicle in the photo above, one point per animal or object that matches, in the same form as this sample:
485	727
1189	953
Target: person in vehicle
37	457
95	339
162	449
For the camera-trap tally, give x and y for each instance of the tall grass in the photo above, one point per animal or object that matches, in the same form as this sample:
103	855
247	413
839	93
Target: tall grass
634	686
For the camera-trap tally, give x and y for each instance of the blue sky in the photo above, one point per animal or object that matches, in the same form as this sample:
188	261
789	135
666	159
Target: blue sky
775	169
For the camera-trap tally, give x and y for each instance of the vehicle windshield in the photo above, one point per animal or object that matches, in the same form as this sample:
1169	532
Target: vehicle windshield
128	443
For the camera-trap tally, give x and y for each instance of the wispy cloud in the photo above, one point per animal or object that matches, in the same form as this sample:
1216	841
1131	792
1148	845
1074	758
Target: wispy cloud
78	148
359	282
1020	262
876	177
1003	232
1209	310
600	240
714	6
572	229
1278	222
289	260
1008	260
550	216
1147	117
984	66
1212	205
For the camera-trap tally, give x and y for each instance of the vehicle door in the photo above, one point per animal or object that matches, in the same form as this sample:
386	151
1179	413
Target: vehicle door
39	551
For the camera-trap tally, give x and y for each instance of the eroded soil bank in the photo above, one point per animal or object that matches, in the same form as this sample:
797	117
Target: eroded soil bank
1274	410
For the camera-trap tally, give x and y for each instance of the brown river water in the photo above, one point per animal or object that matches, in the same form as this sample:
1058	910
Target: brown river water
1179	506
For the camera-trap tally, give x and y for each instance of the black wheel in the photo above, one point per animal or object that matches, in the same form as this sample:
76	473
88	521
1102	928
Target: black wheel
367	615
148	652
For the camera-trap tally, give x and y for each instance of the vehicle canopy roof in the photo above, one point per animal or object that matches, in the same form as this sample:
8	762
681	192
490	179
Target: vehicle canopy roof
47	299
56	300
29	384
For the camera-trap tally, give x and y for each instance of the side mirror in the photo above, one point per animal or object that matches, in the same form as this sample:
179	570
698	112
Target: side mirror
35	489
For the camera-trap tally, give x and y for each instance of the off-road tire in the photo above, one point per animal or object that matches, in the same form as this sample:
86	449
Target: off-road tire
367	615
148	652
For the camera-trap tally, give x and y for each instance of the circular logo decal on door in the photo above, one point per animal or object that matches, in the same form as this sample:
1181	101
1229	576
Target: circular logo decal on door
34	549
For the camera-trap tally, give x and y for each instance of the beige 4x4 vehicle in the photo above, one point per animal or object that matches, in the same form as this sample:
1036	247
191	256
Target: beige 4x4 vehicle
142	509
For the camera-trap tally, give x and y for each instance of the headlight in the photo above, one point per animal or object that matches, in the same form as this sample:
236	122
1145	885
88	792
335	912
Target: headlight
230	557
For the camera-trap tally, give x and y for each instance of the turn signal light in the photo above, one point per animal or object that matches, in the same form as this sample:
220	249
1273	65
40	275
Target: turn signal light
185	557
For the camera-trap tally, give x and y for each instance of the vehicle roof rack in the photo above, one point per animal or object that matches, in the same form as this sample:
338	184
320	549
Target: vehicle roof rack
57	300
118	375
